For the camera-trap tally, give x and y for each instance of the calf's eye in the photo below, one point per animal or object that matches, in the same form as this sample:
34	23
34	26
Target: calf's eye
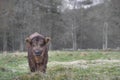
33	45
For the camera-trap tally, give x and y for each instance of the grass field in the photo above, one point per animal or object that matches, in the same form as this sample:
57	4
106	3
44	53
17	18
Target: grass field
64	65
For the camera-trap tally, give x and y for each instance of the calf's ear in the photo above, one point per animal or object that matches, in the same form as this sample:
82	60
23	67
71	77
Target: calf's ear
28	40
47	40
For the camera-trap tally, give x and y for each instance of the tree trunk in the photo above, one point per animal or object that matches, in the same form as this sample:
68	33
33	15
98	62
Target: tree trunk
105	36
5	41
74	38
21	42
13	41
51	35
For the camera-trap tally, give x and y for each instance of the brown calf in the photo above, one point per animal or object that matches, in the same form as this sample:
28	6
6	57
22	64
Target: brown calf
37	52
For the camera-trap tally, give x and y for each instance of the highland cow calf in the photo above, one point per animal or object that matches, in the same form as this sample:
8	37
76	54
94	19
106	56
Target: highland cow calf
37	52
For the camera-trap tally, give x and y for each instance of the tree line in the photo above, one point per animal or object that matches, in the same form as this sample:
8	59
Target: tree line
95	27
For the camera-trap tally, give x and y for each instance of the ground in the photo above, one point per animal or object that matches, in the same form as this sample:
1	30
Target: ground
64	65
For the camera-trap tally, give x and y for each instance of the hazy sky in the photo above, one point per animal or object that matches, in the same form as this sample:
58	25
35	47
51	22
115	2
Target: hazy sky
69	4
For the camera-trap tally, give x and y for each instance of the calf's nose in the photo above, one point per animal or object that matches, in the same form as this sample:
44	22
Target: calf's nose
38	52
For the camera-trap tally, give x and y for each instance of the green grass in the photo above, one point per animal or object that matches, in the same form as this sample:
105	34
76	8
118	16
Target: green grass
84	55
14	66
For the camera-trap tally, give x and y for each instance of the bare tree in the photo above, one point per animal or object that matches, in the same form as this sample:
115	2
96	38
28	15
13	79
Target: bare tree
105	26
74	27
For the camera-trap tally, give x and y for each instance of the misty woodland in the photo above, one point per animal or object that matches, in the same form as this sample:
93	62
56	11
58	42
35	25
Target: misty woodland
71	24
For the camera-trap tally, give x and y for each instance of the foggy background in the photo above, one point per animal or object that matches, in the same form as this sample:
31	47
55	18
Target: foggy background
71	24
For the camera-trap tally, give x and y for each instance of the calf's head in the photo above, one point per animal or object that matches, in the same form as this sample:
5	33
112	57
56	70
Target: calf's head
37	42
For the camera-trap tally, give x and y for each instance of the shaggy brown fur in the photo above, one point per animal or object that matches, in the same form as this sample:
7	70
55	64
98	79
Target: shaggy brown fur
37	52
